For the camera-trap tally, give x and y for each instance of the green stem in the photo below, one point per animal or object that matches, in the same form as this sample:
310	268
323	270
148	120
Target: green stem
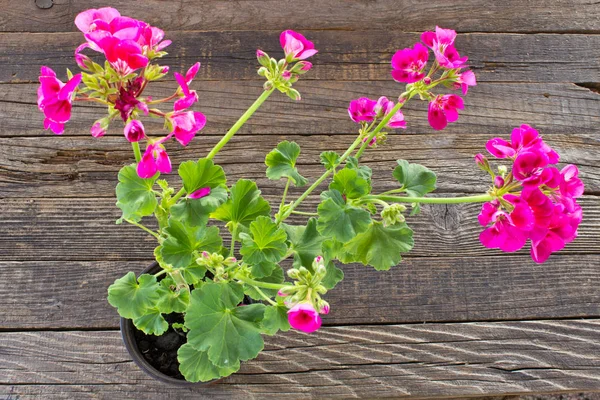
177	196
433	200
240	122
265	285
287	186
264	296
233	234
144	228
310	214
312	187
136	151
161	272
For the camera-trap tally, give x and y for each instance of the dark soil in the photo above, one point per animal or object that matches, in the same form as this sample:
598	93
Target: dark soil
161	351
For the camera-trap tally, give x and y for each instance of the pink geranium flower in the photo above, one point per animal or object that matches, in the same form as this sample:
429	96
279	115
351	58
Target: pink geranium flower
134	131
152	37
442	43
304	317
408	64
186	125
362	110
189	96
523	138
155	159
384	107
570	184
464	80
509	231
55	99
296	46
86	18
128	101
443	109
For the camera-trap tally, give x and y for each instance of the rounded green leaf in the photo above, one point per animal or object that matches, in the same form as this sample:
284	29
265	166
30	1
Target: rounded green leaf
196	367
276	319
195	212
183	241
330	159
339	220
416	180
152	322
244	205
228	333
281	163
134	194
266	242
306	243
347	182
133	297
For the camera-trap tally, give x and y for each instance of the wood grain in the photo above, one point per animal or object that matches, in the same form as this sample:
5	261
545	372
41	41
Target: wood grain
72	294
411	15
355	55
418	361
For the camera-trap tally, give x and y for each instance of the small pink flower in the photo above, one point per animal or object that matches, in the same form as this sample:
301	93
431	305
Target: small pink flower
189	96
152	37
281	294
442	43
86	18
523	138
200	193
384	107
529	167
134	131
55	99
509	231
464	80
362	110
304	317
186	125
125	56
443	110
570	184
296	46
97	130
408	64
155	159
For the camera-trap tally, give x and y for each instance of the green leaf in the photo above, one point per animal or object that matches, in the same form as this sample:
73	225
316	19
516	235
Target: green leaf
415	179
181	243
172	300
228	333
281	162
334	275
275	276
362	170
306	243
134	194
263	268
380	246
244	205
347	182
133	297
339	220
275	320
195	212
195	365
152	322
330	159
266	242
204	173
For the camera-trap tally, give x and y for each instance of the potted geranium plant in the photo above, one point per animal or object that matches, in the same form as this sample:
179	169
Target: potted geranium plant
203	307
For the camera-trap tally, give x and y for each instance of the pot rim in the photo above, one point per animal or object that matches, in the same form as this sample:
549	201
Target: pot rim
127	334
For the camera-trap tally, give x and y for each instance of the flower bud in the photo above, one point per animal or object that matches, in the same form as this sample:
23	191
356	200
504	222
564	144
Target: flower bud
281	294
263	58
482	162
502	170
392	214
323	307
302	67
99	128
205	254
134	131
165	70
268	85
294	94
499	181
286	75
262	71
293	273
427	80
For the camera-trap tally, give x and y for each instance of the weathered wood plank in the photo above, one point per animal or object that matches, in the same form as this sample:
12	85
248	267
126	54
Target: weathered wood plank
53	166
352	55
477	15
458	359
72	294
66	229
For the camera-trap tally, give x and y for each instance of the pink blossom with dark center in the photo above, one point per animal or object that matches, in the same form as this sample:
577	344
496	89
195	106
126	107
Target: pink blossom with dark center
443	109
134	131
442	43
409	64
55	99
384	107
296	46
464	80
362	110
523	138
304	317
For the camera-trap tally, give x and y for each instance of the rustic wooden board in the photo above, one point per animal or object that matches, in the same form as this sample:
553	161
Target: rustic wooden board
72	294
474	15
65	229
420	360
490	109
355	55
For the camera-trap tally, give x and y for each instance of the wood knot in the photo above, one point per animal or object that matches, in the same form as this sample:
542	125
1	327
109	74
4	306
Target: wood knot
44	4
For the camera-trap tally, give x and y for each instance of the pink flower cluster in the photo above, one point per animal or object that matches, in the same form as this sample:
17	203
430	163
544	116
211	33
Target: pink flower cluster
128	45
367	110
536	201
408	66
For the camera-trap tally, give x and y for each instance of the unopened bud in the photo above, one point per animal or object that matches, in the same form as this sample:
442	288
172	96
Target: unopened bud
100	127
324	307
482	162
263	58
427	80
294	94
293	273
392	214
302	67
268	85
262	71
286	75
502	170
499	181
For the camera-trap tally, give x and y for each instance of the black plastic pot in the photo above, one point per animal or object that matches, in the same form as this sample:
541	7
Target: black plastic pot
128	331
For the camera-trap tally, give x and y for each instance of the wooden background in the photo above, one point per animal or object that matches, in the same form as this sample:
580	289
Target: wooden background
454	319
